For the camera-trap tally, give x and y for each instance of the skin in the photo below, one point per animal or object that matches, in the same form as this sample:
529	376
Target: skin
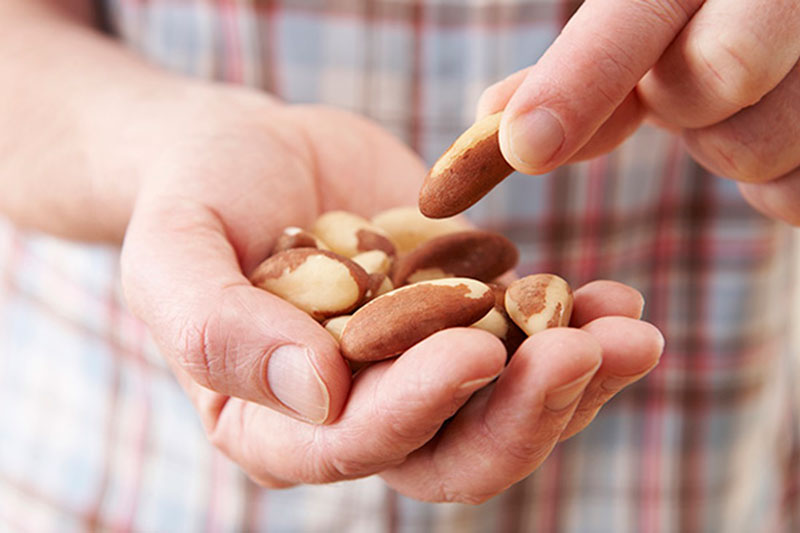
723	74
197	181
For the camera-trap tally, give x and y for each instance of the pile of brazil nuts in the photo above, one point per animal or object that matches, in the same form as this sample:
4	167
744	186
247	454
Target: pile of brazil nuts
380	286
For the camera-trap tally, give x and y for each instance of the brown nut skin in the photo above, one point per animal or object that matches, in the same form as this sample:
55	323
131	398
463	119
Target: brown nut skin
395	321
498	323
320	282
294	237
466	172
539	302
481	255
348	234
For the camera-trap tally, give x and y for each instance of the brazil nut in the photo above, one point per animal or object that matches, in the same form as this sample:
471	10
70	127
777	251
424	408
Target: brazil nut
481	255
395	321
539	302
319	282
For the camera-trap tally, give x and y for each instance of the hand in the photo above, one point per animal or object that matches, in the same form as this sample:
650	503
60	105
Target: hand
232	171
723	73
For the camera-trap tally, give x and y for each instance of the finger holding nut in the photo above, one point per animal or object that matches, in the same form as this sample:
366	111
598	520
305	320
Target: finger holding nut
508	428
364	440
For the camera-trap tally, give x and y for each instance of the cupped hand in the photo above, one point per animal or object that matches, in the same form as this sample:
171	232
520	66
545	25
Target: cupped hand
273	392
723	73
231	171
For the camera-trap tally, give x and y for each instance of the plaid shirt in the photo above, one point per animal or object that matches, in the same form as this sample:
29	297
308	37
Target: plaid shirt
96	434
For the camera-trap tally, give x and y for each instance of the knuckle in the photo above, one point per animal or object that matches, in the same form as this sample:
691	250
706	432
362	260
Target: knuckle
342	468
399	431
404	424
334	456
191	347
673	13
614	65
738	73
196	351
522	451
731	156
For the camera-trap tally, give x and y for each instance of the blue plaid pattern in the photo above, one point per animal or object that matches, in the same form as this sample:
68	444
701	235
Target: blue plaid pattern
96	434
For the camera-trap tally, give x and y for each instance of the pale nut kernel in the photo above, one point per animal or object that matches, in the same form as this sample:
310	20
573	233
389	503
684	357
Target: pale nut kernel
481	255
494	322
348	234
409	228
335	325
294	237
513	337
466	172
538	302
395	321
319	282
374	261
378	284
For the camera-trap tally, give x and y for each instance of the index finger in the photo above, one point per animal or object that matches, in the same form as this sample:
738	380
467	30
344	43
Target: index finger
598	59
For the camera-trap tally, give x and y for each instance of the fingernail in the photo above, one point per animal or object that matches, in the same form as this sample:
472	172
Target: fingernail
559	398
641	306
468	387
535	137
295	383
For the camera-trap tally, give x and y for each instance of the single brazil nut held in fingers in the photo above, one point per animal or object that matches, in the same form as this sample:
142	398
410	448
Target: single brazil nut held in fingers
409	228
538	302
294	237
321	283
481	255
395	321
466	172
349	234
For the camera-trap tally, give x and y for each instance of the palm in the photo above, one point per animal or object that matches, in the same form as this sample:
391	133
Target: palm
271	168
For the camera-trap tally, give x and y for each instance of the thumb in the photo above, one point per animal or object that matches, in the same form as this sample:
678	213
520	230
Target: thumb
590	69
182	278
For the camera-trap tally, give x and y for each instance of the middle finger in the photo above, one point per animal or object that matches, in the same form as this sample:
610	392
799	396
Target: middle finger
727	57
